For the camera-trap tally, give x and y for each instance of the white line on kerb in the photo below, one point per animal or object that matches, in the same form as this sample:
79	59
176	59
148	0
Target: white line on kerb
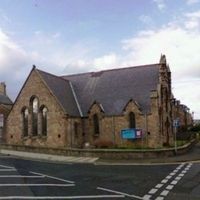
63	197
37	185
52	177
117	192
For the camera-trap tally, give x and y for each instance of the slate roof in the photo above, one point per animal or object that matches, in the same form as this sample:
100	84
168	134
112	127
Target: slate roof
62	91
113	88
5	100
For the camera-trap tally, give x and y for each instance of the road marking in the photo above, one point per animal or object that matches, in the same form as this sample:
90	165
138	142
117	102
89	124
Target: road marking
178	178
181	174
63	197
117	192
158	185
20	176
7	170
147	197
159	198
7	167
164	181
53	177
153	191
174	182
164	192
35	184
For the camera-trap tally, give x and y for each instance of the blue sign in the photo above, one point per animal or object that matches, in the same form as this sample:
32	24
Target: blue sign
176	123
131	133
128	133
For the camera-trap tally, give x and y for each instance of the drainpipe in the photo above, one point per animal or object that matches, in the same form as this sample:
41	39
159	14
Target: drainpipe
146	128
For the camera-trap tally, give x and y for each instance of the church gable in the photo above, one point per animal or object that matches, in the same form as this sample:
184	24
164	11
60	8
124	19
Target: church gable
37	118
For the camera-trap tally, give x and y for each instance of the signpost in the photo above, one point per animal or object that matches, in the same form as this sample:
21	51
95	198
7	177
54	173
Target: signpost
176	124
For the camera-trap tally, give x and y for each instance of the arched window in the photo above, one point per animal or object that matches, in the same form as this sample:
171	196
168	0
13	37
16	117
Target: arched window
34	110
44	111
131	120
96	124
25	121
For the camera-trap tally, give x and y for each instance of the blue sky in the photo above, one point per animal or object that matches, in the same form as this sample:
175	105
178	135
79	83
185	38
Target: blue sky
72	36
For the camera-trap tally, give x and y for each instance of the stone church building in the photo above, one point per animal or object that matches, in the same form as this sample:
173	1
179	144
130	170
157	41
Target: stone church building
91	109
5	107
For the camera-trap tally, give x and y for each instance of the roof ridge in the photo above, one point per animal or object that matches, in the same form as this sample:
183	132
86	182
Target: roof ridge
60	77
114	69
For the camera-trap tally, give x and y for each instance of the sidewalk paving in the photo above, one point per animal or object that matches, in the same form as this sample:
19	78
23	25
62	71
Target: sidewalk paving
192	155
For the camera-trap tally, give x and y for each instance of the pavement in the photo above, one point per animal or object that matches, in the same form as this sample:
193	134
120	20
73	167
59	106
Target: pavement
192	156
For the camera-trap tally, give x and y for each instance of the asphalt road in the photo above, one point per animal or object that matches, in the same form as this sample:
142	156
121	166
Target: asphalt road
26	179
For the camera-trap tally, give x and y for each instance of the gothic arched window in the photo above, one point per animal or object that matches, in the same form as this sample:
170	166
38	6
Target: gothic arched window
34	110
96	124
44	111
25	121
132	120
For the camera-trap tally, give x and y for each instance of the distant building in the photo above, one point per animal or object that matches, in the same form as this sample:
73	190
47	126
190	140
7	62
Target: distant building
182	113
5	107
92	109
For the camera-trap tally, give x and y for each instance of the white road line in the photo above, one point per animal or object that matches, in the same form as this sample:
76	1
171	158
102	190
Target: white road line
174	182
178	178
117	192
159	198
153	191
7	167
7	170
164	181
20	176
33	184
158	185
52	177
181	174
62	197
164	192
170	187
147	197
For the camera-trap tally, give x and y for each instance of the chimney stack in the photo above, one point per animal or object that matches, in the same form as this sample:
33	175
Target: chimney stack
3	88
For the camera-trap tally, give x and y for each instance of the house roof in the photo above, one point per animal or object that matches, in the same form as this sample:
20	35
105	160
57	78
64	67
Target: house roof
112	88
62	90
4	99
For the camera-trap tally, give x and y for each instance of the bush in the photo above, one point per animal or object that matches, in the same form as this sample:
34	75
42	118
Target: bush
196	128
100	143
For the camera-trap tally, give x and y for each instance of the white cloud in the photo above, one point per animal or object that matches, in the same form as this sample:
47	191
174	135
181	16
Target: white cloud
192	20
179	40
191	2
160	4
146	19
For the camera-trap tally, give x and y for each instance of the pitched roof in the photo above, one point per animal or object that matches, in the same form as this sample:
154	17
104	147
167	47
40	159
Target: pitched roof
114	88
4	99
62	90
